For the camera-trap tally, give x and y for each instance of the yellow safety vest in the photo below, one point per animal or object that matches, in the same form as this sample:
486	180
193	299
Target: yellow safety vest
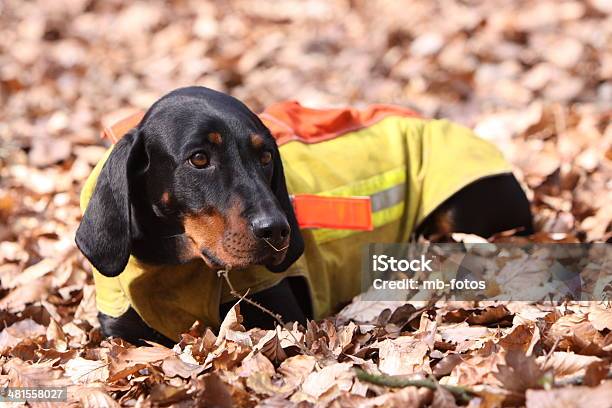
407	165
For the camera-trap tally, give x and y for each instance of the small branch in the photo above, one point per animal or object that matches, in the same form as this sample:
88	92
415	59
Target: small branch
461	393
552	349
224	273
237	295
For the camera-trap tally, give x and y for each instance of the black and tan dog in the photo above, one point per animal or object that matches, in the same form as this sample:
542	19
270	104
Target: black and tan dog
198	185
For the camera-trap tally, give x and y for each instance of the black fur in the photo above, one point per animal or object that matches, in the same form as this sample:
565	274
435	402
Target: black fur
105	232
491	205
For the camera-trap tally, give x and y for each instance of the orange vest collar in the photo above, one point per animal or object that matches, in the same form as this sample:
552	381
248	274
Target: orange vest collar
117	130
291	121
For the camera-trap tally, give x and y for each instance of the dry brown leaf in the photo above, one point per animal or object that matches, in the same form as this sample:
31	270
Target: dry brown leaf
523	337
231	323
174	366
216	393
521	372
566	364
443	398
263	384
478	368
56	335
47	151
164	394
32	273
533	77
596	372
598	397
147	354
123	372
12	335
601	317
402	356
22	295
83	371
446	364
256	363
462	332
21	374
319	382
296	369
405	397
485	316
91	396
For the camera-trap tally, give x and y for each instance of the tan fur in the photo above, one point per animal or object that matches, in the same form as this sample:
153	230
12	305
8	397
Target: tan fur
165	198
215	137
444	222
257	141
228	238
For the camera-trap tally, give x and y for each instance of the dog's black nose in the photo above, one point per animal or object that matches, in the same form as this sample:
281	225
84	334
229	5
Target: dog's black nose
274	229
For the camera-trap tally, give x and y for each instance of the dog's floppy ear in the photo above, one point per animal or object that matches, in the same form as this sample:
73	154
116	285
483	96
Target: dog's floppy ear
104	234
296	242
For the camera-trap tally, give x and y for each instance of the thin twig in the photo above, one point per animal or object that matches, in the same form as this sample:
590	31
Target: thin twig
91	371
237	295
276	317
552	349
462	393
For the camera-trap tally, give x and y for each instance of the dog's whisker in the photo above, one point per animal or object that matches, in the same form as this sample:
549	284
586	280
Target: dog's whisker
173	236
275	248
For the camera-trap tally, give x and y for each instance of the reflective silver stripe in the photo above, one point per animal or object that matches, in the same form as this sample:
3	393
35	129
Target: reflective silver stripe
388	198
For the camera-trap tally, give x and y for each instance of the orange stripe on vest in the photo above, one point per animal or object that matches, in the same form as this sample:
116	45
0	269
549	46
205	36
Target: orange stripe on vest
313	211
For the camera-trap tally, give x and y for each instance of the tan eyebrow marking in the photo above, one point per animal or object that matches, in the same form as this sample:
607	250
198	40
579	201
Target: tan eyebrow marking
215	138
165	198
256	140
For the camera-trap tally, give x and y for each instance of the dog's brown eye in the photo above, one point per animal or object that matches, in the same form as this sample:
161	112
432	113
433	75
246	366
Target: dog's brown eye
266	157
199	160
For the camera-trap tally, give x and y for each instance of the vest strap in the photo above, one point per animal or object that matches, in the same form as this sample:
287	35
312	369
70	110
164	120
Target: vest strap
351	213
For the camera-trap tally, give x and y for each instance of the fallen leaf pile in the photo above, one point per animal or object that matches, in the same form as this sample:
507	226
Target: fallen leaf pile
534	77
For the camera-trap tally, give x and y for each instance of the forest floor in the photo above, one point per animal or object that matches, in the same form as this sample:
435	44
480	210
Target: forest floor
531	76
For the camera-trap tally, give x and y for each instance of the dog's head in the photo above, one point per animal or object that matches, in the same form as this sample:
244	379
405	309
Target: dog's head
200	176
